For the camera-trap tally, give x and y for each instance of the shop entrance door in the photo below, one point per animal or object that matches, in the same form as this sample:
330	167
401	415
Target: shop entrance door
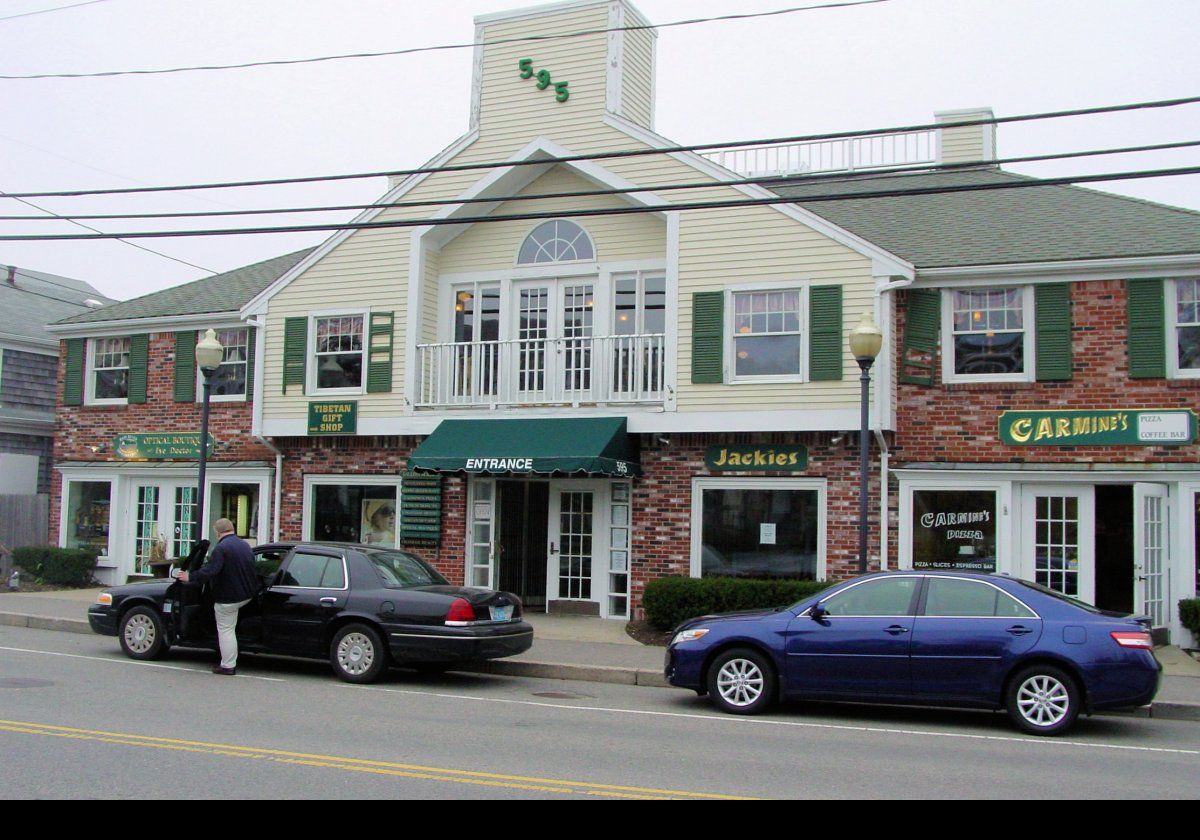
1059	539
1151	532
576	510
163	519
521	545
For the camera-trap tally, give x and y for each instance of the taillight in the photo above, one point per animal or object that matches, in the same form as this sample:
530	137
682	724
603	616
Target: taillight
461	612
1133	639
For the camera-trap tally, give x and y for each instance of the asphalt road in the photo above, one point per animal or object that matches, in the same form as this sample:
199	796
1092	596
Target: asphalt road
79	720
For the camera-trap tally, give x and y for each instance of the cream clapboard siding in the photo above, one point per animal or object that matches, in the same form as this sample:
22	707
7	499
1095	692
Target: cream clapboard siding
717	249
636	94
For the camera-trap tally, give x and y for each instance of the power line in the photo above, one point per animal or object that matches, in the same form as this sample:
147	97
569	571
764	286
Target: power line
626	153
443	47
830	177
55	9
620	211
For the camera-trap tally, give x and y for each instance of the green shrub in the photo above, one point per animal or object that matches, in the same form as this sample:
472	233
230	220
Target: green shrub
58	566
1189	615
669	601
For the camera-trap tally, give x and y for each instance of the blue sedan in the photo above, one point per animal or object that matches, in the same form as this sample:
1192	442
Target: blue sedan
924	638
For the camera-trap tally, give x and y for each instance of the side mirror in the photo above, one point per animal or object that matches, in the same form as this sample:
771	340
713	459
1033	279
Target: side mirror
817	611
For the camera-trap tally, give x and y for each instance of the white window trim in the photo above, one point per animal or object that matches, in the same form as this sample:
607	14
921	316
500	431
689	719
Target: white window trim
338	479
541	264
107	561
1029	349
1004	502
728	352
699	485
89	390
310	361
250	337
1171	305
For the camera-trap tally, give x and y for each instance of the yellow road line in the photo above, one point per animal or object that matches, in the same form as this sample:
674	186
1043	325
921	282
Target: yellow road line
358	765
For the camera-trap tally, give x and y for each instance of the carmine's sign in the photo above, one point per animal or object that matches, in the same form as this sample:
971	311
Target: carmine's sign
757	458
1098	428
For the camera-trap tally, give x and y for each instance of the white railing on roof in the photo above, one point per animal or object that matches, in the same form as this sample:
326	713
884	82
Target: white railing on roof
850	154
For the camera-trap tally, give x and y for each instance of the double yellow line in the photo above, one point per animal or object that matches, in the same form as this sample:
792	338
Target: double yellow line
358	765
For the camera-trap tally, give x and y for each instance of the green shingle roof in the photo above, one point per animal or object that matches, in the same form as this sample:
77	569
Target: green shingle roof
226	292
992	227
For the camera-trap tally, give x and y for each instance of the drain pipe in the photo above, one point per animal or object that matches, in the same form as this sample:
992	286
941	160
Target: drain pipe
278	485
884	458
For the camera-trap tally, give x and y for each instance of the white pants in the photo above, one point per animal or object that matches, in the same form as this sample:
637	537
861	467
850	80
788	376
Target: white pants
227	616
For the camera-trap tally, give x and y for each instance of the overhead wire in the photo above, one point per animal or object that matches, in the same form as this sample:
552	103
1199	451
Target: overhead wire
55	9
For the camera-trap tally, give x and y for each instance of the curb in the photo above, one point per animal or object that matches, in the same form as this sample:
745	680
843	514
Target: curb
562	671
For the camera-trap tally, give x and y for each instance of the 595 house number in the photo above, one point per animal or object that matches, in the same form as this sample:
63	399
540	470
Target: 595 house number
525	65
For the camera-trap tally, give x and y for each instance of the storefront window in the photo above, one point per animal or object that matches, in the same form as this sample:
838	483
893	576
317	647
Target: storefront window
760	532
88	504
954	529
239	504
354	513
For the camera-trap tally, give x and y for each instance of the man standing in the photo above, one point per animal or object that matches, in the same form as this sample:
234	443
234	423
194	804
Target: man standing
231	572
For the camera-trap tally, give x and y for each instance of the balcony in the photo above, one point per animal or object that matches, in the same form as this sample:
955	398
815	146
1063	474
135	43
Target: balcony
850	154
597	370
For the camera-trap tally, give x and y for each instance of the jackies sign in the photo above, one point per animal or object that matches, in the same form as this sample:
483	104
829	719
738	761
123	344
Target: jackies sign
756	458
1139	427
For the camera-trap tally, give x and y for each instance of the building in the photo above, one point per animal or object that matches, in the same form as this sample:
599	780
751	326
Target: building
559	382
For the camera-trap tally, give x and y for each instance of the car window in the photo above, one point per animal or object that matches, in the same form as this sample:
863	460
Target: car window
315	571
268	561
954	597
886	596
403	570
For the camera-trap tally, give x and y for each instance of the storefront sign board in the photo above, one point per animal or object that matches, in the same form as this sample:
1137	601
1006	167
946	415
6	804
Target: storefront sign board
1107	427
756	458
164	446
332	418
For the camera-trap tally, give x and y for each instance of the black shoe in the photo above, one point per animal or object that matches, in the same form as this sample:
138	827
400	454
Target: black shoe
225	672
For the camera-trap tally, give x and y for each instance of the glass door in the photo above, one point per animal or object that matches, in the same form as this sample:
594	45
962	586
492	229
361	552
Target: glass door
164	521
553	340
1151	531
577	508
1059	524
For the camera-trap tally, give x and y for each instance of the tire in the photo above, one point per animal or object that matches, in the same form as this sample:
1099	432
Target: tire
357	654
143	634
1042	700
742	681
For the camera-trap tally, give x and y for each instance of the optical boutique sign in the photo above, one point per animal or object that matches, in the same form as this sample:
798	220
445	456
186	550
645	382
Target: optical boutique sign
955	530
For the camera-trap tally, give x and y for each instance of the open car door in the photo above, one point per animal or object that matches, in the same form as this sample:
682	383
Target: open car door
191	604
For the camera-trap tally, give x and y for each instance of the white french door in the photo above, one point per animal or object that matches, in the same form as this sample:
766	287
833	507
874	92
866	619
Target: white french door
1151	551
575	536
553	331
1059	538
163	522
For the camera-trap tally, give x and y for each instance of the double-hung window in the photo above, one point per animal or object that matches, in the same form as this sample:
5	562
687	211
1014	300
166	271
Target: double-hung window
229	380
988	331
1184	339
766	338
108	378
339	355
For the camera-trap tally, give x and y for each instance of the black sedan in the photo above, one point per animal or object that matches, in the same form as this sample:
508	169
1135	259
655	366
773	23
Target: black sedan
362	607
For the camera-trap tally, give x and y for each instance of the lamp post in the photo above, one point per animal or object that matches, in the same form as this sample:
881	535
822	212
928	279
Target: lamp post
209	354
865	341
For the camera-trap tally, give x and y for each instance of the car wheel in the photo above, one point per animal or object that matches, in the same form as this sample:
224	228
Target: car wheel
357	654
1042	700
742	681
143	635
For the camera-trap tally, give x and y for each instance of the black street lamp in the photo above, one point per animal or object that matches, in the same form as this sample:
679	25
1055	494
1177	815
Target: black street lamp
865	341
209	355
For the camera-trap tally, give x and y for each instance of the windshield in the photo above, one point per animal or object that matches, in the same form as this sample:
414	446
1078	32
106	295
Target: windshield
403	570
1045	590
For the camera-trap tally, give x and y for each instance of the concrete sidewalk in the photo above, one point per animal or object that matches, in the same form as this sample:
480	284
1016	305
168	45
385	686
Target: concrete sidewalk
572	648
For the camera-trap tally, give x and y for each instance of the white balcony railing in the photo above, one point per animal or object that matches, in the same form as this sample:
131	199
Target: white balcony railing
849	154
615	369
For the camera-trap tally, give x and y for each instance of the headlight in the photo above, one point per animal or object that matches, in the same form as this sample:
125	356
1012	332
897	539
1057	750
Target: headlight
104	599
689	635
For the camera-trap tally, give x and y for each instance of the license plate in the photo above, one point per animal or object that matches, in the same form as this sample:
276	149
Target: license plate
501	613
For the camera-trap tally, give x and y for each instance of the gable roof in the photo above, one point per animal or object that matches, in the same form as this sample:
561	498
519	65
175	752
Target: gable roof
220	293
36	299
992	227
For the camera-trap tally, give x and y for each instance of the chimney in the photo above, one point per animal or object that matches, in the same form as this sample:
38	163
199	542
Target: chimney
12	275
968	143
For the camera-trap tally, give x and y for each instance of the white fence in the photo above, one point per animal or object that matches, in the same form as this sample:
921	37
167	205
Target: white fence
849	154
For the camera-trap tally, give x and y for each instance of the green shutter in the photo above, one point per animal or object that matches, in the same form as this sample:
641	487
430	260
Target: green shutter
825	333
1147	330
185	366
921	327
379	354
421	508
708	340
73	372
1052	324
251	339
295	352
139	362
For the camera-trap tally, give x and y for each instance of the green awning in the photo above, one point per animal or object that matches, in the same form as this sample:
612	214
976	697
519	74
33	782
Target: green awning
574	445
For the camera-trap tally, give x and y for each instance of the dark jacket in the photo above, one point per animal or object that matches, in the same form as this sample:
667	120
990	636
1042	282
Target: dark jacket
230	570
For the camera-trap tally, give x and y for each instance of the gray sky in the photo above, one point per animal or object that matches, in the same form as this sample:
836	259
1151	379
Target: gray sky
819	71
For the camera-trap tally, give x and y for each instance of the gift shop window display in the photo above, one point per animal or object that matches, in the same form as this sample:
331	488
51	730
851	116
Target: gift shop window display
358	513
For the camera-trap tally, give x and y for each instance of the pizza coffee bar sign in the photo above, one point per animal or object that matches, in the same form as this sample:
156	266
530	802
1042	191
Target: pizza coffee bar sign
173	446
756	458
1106	427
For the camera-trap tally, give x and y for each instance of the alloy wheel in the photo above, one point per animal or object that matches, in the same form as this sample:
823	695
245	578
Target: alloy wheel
1043	700
740	682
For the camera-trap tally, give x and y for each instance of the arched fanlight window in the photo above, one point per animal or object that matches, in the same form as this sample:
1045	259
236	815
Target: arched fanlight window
556	241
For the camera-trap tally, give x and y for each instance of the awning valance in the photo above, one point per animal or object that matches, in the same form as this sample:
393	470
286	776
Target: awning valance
545	445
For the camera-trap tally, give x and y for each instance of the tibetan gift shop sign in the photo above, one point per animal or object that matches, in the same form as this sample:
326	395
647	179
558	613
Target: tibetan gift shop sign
170	446
756	458
1110	427
333	418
